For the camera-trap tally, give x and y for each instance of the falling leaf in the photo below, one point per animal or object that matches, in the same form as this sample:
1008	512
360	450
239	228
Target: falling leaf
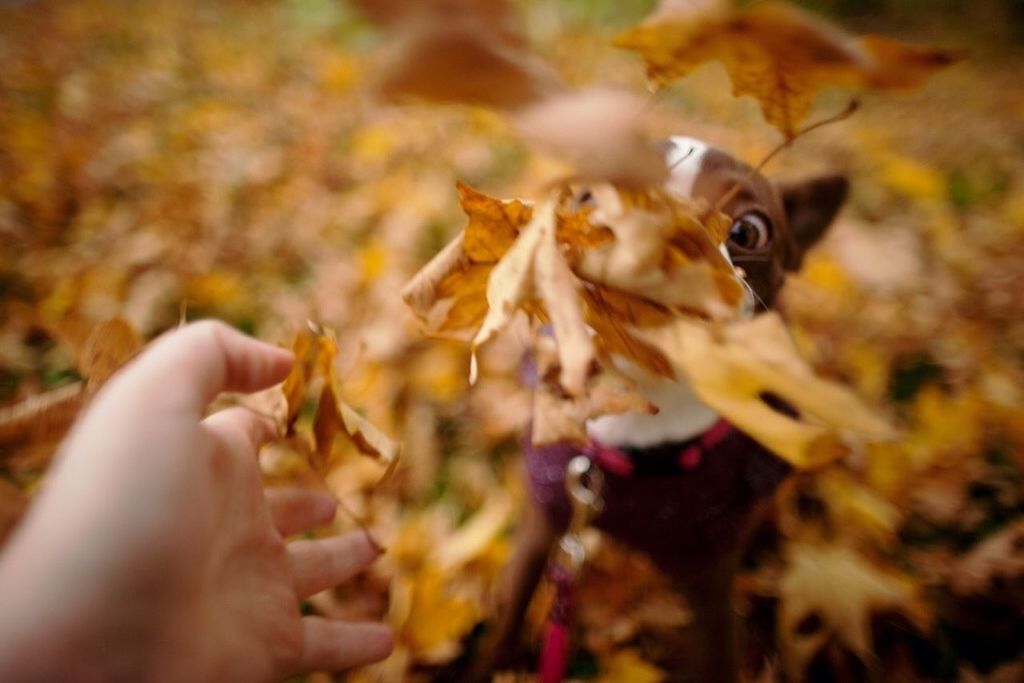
449	294
834	591
738	369
600	132
457	58
560	292
511	282
777	53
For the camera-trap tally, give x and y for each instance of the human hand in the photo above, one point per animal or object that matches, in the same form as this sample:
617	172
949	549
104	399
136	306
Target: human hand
152	552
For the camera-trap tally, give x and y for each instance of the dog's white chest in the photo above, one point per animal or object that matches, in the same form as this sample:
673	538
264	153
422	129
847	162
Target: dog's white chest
681	415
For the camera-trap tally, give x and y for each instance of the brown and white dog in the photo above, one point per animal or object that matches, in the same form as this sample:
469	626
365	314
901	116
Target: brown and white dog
691	513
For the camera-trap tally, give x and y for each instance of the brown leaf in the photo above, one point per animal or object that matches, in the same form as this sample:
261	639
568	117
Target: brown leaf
493	224
777	53
294	387
45	416
999	555
110	345
511	282
448	295
559	290
600	132
456	59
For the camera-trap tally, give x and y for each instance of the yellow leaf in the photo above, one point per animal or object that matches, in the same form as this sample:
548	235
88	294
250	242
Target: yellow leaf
436	618
560	292
833	591
626	666
737	369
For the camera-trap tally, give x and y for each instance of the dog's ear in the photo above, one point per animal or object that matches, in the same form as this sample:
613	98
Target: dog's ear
811	205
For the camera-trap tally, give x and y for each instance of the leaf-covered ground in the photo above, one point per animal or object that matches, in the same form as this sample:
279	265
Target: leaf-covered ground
233	159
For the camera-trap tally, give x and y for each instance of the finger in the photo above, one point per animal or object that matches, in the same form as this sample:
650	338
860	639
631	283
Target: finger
324	563
195	363
329	645
240	430
295	510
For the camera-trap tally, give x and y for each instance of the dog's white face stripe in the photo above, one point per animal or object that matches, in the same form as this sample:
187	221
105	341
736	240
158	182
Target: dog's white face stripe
685	158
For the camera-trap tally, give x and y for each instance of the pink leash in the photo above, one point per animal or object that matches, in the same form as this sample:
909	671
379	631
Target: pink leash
583	483
554	657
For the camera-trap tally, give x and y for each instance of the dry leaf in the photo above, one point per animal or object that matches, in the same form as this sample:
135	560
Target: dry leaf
449	294
626	666
314	366
737	369
558	417
777	53
109	346
493	224
833	591
999	555
455	59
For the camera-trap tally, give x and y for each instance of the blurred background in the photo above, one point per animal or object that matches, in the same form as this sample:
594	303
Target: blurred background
233	159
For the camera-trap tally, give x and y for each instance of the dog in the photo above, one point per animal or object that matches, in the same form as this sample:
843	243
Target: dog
684	486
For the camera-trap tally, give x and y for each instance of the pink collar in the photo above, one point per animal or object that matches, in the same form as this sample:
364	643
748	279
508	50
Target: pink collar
618	462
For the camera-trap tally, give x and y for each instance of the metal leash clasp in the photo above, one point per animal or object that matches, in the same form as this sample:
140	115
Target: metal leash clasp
583	483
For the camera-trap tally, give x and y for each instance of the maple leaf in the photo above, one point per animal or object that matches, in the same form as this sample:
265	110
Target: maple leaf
834	591
449	293
535	268
777	53
314	362
740	368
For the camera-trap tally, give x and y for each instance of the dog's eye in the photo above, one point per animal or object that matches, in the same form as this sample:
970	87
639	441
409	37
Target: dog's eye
750	231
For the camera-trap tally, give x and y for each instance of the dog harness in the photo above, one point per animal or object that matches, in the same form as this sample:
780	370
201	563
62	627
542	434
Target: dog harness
660	500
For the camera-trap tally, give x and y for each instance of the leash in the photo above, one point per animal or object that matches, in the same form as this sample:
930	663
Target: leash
583	483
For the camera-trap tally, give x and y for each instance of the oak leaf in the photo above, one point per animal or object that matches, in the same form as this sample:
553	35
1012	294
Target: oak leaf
777	53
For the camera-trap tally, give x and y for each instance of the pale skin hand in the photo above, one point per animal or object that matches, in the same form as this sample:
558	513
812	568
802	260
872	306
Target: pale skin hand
153	554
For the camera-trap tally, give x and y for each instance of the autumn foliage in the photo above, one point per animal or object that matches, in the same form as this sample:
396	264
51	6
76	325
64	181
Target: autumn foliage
412	195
